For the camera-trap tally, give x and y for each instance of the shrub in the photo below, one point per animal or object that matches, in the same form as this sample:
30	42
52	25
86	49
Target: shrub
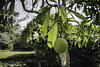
47	57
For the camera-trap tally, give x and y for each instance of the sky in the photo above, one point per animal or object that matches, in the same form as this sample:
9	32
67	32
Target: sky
23	14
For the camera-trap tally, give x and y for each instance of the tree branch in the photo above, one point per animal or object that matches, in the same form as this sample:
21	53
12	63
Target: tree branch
30	11
75	3
55	5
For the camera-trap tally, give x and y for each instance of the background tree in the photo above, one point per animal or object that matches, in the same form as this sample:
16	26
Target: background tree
7	29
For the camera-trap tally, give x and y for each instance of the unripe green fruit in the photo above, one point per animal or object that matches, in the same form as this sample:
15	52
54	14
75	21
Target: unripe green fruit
60	45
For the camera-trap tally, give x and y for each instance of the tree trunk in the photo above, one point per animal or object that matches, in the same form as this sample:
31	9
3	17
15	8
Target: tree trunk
65	59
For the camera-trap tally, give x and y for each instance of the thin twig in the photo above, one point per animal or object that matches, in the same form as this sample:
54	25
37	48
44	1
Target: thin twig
76	2
30	11
55	5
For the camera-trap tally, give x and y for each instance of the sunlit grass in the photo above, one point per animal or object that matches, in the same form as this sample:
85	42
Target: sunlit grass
7	53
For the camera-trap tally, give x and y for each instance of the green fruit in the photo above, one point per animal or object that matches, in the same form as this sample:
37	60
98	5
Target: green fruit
60	45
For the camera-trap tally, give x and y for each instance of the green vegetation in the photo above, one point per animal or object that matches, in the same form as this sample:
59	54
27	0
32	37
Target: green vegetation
83	35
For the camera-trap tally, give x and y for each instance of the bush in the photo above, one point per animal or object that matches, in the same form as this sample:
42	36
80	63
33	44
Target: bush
47	57
86	56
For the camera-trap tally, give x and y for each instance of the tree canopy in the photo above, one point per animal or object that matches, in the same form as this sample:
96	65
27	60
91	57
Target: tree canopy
59	24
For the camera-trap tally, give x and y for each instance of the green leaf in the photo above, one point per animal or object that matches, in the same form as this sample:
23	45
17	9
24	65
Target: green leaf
22	1
78	15
0	14
12	6
86	40
53	0
85	33
73	36
75	43
79	39
5	7
63	14
83	41
52	35
79	44
50	25
45	25
1	25
68	31
43	12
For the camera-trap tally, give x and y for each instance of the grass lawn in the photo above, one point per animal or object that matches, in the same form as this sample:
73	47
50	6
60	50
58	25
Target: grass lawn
6	53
